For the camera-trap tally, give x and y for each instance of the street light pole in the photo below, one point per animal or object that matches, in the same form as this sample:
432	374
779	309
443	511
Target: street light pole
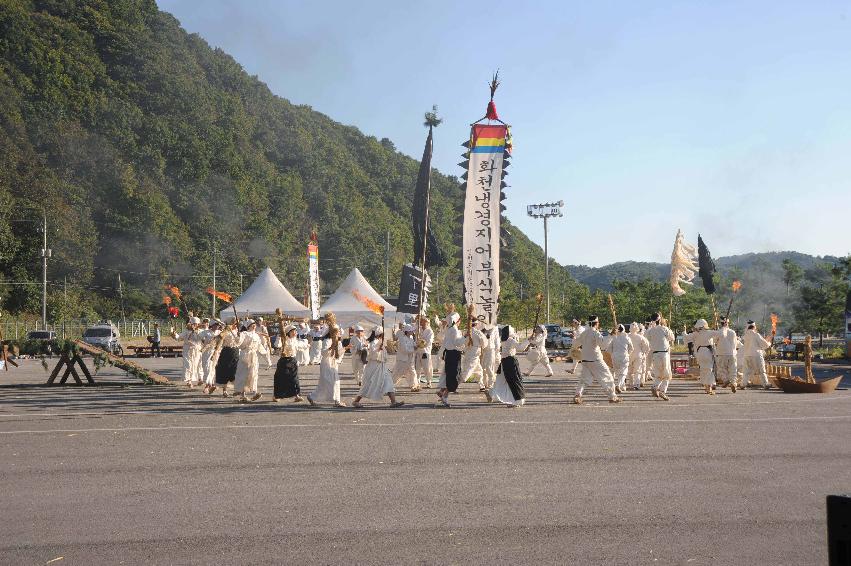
546	210
45	253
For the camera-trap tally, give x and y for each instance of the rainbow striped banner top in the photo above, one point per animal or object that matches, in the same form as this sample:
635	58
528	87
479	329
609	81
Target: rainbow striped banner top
488	139
312	252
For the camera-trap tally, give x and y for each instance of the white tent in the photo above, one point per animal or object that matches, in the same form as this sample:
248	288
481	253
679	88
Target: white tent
349	302
266	294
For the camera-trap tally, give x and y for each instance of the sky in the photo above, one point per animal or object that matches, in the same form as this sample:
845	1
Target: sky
728	119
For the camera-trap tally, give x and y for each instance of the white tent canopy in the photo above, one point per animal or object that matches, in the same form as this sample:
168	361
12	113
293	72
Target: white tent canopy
266	294
350	309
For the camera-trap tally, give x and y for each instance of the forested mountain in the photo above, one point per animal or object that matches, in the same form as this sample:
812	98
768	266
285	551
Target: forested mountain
146	147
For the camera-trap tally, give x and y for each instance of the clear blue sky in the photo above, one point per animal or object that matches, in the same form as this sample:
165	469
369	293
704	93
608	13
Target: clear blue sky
732	119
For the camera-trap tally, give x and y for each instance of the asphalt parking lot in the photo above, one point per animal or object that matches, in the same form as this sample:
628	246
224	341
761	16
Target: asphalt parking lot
128	473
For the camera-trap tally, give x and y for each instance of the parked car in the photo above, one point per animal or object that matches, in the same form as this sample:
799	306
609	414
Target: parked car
104	336
564	340
553	334
41	335
46	336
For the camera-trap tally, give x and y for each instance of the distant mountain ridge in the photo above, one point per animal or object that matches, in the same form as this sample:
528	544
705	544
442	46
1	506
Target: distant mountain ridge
634	271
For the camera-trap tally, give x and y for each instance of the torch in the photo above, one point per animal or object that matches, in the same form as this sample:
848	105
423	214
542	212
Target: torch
614	312
735	287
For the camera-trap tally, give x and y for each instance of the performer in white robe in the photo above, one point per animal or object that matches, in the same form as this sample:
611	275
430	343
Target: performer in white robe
575	353
538	355
660	338
422	355
704	339
490	357
317	335
755	346
302	355
638	356
209	355
357	344
248	369
263	333
594	366
404	370
725	355
193	342
328	388
471	359
620	347
452	346
740	363
377	381
508	386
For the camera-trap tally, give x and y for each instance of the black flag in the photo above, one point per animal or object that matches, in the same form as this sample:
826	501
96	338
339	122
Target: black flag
420	222
411	290
706	267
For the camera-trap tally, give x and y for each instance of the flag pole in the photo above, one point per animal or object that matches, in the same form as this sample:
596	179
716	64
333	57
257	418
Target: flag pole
432	121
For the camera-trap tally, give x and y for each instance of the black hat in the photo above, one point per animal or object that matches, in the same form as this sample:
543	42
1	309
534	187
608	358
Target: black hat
751	324
592	318
723	320
655	317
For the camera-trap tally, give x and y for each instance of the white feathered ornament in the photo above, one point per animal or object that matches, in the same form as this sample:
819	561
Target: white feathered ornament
683	265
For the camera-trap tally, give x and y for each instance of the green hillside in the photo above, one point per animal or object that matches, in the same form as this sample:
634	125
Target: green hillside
147	147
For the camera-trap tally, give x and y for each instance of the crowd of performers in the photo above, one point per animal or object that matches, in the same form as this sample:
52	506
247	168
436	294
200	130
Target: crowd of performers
217	354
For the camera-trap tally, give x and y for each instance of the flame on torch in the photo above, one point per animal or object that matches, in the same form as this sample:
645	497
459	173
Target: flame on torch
736	286
221	295
368	303
166	300
173	290
774	320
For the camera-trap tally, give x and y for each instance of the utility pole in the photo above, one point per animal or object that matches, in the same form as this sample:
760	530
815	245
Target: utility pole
546	210
121	297
213	313
240	283
387	266
64	303
45	253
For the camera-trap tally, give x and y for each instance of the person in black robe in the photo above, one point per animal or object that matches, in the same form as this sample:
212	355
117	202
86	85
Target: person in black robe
286	382
508	388
228	356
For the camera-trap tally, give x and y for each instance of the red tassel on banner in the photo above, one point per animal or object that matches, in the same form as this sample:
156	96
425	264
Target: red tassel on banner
491	113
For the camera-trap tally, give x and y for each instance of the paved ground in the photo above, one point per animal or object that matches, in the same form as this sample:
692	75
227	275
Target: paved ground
125	473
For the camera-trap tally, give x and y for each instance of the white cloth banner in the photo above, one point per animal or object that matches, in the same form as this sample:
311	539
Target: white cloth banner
482	219
313	271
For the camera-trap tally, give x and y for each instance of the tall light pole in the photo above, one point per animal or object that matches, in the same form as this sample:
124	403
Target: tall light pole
546	210
45	253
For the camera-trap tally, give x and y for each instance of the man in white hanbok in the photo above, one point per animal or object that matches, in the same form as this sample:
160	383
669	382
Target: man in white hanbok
755	346
404	370
357	344
704	339
425	343
209	355
490	357
660	338
538	351
591	342
725	355
317	335
620	347
638	356
471	359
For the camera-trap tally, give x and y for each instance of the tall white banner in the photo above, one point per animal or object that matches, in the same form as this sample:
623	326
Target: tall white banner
482	220
313	271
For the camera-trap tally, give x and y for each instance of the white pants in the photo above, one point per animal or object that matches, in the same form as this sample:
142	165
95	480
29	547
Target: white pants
660	367
424	366
489	364
755	367
621	367
357	367
208	368
706	361
404	371
471	366
540	358
637	367
599	371
725	368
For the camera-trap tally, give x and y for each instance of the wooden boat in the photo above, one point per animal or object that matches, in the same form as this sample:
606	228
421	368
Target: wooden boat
796	386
